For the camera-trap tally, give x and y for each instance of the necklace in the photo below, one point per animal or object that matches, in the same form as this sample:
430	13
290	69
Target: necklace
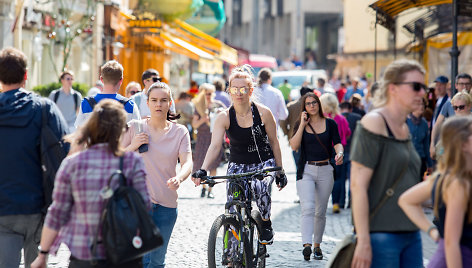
246	114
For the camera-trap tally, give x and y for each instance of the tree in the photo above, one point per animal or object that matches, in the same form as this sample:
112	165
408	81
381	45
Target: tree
71	19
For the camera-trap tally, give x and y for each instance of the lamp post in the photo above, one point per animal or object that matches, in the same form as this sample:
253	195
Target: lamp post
454	52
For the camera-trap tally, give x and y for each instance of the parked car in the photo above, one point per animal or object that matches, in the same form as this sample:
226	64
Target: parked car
296	79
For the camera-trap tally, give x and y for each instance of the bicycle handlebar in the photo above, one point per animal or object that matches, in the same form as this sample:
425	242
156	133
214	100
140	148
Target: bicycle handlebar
210	180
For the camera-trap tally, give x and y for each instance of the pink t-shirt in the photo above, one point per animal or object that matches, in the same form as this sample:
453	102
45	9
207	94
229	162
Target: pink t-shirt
160	160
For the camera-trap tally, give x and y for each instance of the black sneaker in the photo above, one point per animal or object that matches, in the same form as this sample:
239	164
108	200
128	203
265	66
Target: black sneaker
317	254
203	192
307	253
266	236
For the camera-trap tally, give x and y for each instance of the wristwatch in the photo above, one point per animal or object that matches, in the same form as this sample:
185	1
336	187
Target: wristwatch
341	153
41	251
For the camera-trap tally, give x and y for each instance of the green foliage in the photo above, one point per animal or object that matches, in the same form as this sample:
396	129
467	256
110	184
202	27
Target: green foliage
45	90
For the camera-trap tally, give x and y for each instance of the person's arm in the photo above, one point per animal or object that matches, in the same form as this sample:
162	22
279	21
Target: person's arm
434	134
283	112
185	170
198	120
271	130
336	140
136	115
296	139
48	236
426	146
410	201
360	180
130	140
456	199
217	136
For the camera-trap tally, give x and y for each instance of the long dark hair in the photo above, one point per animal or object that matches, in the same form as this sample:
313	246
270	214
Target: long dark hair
105	125
303	107
162	85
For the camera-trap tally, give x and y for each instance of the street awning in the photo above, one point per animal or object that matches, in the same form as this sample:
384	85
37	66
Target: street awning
387	10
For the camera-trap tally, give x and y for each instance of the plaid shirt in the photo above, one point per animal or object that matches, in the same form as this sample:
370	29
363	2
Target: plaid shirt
77	204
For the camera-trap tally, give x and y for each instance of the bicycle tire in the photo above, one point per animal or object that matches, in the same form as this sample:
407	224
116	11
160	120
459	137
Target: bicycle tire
257	219
215	259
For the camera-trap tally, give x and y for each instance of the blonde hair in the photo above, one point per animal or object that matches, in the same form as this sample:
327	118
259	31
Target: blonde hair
462	96
330	103
111	72
132	84
394	73
206	87
106	124
452	165
245	71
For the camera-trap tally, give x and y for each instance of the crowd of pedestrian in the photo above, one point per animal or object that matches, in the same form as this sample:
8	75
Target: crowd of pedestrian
383	138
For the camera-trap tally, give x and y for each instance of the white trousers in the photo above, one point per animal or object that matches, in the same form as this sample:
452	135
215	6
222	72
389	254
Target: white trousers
314	191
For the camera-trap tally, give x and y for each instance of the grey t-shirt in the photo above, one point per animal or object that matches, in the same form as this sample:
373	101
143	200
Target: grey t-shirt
67	106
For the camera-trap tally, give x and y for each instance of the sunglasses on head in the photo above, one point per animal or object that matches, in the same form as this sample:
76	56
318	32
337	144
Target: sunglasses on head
417	86
235	90
459	107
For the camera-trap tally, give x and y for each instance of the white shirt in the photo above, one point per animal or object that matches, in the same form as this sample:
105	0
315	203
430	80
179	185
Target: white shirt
273	99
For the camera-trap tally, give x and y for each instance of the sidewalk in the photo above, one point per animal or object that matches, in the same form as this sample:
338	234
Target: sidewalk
188	245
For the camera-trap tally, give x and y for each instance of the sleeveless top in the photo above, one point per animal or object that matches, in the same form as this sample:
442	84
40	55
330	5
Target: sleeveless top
243	149
466	237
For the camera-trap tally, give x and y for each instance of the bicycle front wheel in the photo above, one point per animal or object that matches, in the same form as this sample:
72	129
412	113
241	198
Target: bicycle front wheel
224	244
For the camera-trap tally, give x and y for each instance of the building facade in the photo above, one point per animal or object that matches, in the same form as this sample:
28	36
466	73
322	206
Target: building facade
284	28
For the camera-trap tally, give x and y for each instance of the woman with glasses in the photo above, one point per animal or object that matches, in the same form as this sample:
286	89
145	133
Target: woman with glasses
384	165
315	137
206	109
461	103
167	144
251	130
132	88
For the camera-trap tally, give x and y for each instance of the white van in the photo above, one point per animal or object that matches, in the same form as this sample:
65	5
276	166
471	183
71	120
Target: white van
296	79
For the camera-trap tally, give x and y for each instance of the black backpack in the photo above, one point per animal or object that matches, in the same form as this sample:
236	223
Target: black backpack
128	231
52	152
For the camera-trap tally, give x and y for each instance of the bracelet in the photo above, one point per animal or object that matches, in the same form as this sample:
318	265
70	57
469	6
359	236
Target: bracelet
431	228
41	251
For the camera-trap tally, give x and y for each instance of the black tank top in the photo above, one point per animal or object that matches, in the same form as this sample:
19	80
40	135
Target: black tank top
243	150
466	238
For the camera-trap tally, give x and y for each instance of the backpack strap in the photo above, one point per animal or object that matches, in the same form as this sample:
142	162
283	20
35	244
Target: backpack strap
91	101
56	96
76	99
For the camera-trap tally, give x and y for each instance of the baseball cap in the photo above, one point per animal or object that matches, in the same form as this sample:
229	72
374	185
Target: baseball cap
442	79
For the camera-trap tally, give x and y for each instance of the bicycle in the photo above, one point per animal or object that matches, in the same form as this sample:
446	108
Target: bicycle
237	231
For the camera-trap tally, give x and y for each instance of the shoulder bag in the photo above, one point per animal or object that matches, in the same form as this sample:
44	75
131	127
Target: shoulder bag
344	252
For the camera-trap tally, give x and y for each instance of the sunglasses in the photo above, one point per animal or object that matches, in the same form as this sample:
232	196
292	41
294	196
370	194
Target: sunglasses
417	86
69	79
209	94
154	79
133	92
459	107
235	90
313	103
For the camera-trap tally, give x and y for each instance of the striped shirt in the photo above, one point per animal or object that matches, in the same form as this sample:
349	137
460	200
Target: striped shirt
77	204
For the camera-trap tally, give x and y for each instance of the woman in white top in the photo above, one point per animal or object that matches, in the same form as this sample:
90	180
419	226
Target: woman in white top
167	142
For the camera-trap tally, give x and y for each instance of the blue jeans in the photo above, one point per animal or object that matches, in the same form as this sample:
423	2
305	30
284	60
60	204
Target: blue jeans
394	250
164	218
339	188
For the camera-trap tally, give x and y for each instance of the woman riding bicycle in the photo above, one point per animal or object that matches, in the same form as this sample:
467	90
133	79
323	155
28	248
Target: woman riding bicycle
251	130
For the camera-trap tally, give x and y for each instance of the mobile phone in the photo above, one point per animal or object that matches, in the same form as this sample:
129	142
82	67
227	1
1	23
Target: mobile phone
143	148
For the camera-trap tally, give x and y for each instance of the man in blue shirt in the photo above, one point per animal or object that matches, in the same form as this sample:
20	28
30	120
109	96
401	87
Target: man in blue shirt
354	89
112	78
21	190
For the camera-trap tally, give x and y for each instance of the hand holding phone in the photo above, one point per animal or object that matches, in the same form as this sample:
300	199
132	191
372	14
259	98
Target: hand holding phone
305	117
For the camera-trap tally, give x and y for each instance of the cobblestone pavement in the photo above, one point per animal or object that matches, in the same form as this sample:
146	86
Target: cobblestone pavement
188	243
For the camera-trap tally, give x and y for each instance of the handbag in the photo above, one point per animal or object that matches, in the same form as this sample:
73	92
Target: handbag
332	162
344	251
128	231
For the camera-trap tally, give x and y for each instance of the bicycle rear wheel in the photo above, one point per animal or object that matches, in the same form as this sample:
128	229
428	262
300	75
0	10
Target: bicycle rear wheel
224	244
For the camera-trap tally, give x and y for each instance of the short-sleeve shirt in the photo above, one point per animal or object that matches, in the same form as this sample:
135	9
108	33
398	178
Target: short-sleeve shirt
161	159
447	109
387	157
85	108
67	105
